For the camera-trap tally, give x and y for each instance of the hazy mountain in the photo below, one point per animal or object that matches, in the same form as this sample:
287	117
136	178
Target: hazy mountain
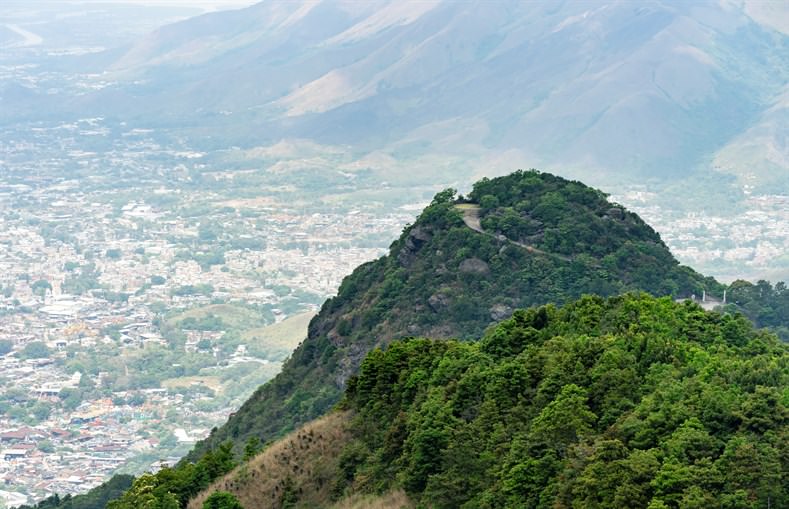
616	86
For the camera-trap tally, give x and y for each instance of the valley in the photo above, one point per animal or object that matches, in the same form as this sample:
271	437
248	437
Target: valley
221	233
143	300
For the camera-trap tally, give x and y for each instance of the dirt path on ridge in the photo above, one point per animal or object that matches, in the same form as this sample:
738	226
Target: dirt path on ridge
472	220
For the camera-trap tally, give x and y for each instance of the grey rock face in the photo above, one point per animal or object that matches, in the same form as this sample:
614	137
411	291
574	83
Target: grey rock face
438	302
417	238
500	312
474	266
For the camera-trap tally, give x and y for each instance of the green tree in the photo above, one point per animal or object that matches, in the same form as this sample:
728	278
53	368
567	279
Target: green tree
222	500
41	410
41	287
35	350
566	419
70	398
6	346
251	448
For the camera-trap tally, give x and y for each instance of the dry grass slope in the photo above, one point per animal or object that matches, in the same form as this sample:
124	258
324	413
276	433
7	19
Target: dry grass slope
302	466
286	334
391	500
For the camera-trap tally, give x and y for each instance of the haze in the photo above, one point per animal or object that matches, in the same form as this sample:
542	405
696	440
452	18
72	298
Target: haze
184	184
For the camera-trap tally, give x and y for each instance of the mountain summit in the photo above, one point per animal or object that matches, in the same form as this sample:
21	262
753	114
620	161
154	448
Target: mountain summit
525	239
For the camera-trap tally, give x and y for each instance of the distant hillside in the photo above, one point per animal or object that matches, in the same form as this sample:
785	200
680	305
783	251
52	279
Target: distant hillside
604	403
618	88
544	239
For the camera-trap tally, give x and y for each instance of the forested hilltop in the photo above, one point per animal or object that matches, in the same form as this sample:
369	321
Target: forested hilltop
627	402
443	279
630	401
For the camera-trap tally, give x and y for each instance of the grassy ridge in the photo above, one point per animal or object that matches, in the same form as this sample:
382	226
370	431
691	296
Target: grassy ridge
285	335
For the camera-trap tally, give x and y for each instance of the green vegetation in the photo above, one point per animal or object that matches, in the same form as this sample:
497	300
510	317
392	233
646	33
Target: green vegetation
627	402
217	317
41	287
81	280
172	488
277	341
442	279
201	289
222	500
6	346
765	304
35	350
630	401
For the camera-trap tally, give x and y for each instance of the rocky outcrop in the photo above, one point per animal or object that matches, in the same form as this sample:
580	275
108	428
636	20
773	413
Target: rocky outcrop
417	237
474	266
499	312
438	302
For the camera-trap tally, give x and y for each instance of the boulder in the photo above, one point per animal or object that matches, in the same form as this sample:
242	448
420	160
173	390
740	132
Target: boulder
438	302
499	312
474	266
417	237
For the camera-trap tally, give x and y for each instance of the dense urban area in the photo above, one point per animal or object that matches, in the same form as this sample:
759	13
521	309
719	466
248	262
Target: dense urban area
751	242
133	312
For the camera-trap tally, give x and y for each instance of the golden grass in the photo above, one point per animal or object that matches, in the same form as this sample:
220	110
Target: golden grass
304	463
391	500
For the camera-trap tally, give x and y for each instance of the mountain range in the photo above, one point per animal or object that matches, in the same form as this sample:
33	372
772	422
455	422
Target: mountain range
600	89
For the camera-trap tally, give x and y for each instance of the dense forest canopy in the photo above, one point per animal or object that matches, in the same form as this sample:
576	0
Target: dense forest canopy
766	304
627	402
561	216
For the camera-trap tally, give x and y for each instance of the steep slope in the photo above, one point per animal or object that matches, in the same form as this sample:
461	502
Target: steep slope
549	240
630	401
656	87
305	463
